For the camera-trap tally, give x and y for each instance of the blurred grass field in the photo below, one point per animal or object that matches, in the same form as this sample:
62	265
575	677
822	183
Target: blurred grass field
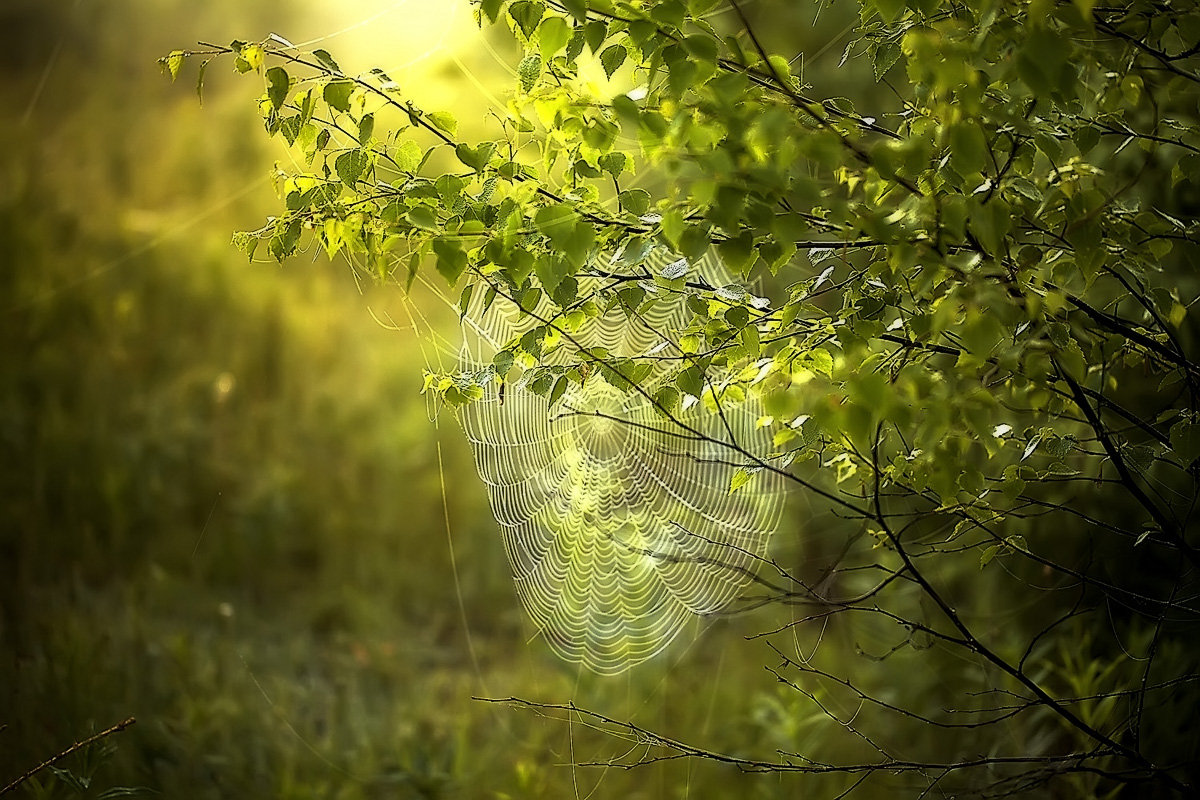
222	494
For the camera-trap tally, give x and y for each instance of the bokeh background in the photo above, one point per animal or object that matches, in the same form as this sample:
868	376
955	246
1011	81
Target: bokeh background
225	509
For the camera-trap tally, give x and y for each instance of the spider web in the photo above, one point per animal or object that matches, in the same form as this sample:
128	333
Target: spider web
618	522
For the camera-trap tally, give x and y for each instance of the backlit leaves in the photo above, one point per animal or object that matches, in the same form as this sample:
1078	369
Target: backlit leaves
931	267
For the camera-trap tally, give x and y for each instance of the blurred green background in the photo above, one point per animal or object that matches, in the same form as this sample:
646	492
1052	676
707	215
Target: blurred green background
221	494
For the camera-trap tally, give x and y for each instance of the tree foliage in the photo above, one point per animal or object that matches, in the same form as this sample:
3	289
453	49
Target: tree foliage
969	325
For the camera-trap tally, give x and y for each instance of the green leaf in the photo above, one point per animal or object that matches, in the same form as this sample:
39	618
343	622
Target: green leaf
326	61
290	128
968	148
579	244
820	362
669	12
277	86
476	158
407	155
612	57
635	201
491	8
246	244
464	300
552	36
691	381
595	32
444	121
701	47
337	94
350	166
558	223
613	163
694	242
422	216
990	223
560	388
550	269
577	9
173	62
738	253
366	128
526	13
306	137
673	227
883	55
1042	59
451	260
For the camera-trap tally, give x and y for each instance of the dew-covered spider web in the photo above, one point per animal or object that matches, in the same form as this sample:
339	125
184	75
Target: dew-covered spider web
618	521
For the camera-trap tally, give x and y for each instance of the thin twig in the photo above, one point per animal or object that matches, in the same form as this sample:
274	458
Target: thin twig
120	726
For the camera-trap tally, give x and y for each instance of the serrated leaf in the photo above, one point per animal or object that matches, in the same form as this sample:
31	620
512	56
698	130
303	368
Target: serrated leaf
527	14
444	121
550	269
821	362
173	62
326	61
613	163
594	33
612	57
635	201
350	166
691	381
407	155
560	388
883	57
306	137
